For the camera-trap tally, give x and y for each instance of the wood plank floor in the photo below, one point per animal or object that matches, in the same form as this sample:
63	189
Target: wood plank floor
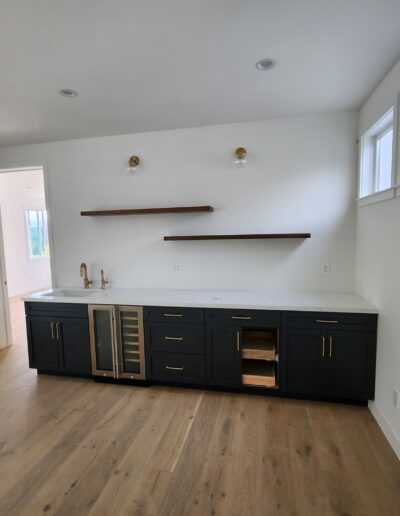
75	447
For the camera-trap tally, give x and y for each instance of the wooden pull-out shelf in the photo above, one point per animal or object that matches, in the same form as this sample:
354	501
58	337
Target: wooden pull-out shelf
258	373
259	345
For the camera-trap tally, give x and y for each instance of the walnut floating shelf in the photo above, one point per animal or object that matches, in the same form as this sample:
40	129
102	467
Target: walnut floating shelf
257	236
145	211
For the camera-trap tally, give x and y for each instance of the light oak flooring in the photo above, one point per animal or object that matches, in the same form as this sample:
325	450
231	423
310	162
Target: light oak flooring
75	447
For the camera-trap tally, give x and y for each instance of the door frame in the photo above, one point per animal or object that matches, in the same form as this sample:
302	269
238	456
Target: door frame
24	167
4	291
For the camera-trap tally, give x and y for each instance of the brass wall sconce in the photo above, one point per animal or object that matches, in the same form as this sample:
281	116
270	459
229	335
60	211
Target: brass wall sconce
133	163
240	156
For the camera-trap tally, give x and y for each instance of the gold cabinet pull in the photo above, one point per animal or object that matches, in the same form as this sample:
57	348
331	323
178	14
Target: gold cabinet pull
330	347
326	321
242	317
238	341
170	368
323	346
57	330
173	338
52	330
172	315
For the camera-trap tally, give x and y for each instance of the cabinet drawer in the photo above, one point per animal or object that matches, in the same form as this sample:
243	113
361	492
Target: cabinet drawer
181	338
173	315
329	321
177	367
56	309
243	317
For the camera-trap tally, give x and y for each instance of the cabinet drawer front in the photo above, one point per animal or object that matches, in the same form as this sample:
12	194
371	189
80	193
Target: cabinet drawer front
173	315
243	317
177	367
181	338
329	321
56	309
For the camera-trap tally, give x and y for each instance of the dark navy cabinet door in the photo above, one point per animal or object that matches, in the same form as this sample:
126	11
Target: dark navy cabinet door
350	365
302	362
223	358
73	335
42	343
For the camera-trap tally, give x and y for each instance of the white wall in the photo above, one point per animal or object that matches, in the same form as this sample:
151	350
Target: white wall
20	190
377	270
300	176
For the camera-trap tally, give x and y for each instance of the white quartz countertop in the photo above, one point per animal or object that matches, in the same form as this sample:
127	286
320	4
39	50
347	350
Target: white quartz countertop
247	299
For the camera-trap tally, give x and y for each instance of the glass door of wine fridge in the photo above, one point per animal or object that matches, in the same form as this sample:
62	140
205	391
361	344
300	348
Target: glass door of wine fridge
130	338
117	341
102	340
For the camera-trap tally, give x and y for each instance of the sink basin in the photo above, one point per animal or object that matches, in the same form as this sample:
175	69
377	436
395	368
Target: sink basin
66	293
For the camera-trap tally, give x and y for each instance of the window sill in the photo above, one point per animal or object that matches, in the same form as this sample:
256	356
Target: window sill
384	195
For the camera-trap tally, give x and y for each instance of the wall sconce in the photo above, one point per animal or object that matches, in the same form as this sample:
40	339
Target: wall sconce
133	163
240	156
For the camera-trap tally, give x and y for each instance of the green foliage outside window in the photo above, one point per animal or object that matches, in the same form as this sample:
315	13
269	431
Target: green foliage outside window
38	237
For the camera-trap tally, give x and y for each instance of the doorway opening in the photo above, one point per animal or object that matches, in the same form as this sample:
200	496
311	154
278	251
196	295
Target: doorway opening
24	247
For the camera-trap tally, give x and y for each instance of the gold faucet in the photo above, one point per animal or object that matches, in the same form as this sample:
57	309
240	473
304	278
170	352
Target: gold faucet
86	281
104	282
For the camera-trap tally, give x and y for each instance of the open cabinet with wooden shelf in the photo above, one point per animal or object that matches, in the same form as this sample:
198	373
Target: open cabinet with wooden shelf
259	352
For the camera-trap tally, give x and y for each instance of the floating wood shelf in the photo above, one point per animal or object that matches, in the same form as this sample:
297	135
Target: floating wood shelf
239	237
146	211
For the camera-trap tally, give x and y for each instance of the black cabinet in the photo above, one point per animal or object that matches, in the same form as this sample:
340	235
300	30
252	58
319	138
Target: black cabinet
74	346
177	367
301	363
59	344
223	359
42	345
248	318
350	365
306	354
175	345
334	364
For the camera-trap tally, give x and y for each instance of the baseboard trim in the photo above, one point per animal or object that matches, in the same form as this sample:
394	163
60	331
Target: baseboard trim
387	429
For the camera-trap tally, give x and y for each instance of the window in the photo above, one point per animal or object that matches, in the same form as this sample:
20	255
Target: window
383	159
37	233
376	156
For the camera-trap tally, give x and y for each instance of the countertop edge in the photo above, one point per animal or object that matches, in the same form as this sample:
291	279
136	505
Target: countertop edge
95	299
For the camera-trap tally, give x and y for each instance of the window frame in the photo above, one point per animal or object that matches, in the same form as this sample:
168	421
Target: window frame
376	169
368	184
28	233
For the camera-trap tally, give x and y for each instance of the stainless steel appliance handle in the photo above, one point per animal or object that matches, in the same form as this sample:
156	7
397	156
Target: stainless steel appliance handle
114	344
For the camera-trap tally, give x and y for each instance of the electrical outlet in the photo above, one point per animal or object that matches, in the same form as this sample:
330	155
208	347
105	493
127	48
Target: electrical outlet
326	269
176	267
396	398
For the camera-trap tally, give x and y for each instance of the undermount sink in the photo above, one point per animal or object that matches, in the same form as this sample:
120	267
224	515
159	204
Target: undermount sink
66	293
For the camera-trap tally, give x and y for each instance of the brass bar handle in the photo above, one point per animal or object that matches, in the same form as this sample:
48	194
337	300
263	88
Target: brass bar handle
242	317
238	341
57	330
326	321
172	315
323	346
173	338
170	368
52	330
330	347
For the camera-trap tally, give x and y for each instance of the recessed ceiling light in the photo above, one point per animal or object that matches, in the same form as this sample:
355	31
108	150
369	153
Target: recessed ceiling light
66	92
265	64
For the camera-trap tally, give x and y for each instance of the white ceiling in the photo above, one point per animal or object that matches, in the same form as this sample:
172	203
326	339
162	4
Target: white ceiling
142	65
